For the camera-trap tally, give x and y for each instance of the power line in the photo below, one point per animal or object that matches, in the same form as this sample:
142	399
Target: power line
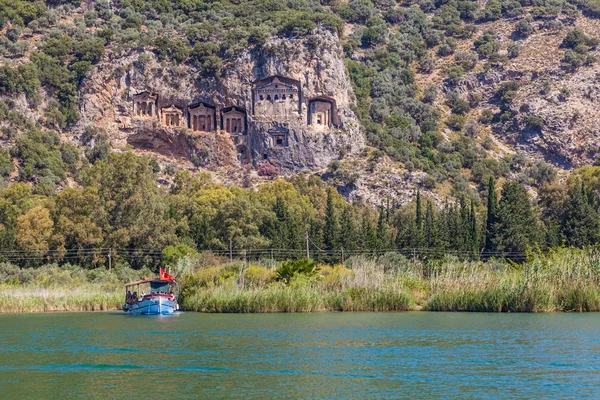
154	254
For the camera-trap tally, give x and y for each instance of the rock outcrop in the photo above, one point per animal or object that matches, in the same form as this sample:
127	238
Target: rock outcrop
288	106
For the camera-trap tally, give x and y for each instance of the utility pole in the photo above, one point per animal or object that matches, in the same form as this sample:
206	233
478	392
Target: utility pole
307	248
109	259
342	256
230	249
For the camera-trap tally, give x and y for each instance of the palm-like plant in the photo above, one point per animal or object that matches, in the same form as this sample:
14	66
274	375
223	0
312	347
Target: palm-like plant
287	270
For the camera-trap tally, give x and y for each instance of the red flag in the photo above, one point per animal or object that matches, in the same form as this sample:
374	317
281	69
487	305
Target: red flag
164	276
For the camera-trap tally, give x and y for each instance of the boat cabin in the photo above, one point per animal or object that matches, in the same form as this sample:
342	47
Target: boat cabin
137	291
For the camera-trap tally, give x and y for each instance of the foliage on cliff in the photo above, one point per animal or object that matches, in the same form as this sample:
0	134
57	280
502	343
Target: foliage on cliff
408	62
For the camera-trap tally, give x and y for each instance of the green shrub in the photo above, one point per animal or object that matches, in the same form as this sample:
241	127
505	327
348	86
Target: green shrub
287	270
9	272
577	37
6	165
534	122
172	254
486	116
456	122
487	44
40	155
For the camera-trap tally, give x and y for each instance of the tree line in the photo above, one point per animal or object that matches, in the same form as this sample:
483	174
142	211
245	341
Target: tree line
117	205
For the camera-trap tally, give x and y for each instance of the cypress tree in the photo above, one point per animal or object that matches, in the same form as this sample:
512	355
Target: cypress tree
382	229
279	234
315	230
284	231
330	233
387	211
474	230
347	230
452	227
401	241
443	228
417	236
429	226
419	212
492	214
464	228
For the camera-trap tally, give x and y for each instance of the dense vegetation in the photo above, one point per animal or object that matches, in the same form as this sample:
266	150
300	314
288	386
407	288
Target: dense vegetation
564	280
78	203
50	46
117	210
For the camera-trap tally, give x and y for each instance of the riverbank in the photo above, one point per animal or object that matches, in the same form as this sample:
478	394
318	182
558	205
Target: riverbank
18	300
63	288
563	280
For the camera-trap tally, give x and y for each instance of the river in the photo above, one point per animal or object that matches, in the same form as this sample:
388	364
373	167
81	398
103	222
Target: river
320	355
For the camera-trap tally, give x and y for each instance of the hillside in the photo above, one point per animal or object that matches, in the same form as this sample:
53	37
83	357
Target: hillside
143	132
382	97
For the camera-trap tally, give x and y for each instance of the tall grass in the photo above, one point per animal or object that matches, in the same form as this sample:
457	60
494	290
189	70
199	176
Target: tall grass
562	280
15	300
366	287
64	288
296	299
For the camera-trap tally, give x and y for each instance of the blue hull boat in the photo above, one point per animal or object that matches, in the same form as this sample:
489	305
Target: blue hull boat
162	299
152	306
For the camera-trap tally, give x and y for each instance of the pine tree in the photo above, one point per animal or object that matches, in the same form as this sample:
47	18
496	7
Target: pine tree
579	222
368	234
492	217
516	226
330	232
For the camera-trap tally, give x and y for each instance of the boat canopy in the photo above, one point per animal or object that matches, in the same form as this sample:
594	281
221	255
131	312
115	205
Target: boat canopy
152	282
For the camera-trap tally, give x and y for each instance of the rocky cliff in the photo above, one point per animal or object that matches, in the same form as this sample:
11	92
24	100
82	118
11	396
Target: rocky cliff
561	99
287	140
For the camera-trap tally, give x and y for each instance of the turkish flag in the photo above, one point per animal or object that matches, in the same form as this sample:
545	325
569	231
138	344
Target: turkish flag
164	276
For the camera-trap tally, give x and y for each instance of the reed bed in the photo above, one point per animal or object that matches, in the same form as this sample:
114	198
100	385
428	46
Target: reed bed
63	288
366	287
17	300
298	299
562	280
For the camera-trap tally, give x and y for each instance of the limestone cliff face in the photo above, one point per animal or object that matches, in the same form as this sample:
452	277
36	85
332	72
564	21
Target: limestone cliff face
288	106
570	132
567	134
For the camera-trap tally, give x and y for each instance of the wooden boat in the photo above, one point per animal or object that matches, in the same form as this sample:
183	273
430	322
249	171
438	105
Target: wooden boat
161	297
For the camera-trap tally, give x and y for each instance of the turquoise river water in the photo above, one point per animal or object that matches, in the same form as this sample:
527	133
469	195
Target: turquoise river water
323	355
